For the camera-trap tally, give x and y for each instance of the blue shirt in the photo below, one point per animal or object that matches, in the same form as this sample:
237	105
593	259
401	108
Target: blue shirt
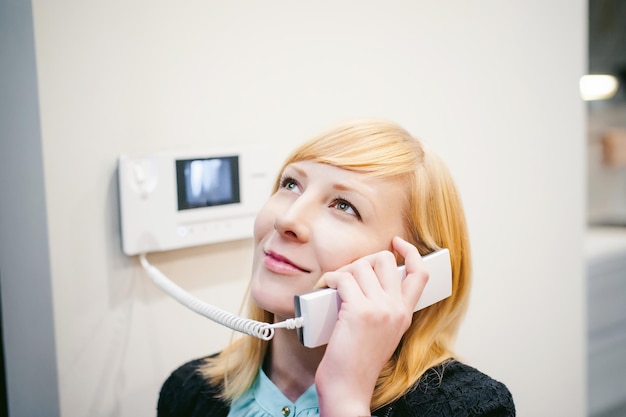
264	399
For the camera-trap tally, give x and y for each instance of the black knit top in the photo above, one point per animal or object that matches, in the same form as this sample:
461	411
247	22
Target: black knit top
451	389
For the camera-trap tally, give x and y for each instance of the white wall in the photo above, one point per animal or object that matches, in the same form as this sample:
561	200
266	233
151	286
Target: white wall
492	85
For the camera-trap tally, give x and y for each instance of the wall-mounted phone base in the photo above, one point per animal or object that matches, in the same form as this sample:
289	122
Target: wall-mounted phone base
179	199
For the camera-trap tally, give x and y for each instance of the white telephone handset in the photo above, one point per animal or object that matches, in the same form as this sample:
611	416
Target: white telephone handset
318	309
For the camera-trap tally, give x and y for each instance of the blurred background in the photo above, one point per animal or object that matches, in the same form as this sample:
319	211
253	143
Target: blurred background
606	197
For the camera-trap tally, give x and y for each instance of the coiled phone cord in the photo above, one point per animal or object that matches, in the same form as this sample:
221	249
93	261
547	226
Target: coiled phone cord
264	331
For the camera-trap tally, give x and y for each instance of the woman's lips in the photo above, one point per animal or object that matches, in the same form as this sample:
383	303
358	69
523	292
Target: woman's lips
279	264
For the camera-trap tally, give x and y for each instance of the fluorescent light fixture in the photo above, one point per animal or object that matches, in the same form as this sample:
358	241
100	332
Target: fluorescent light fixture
598	86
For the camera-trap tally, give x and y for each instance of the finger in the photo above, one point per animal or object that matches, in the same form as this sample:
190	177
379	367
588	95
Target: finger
386	268
360	265
366	277
345	284
416	273
376	271
412	258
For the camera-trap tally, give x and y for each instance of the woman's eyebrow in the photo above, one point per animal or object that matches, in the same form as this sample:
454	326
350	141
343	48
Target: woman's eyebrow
299	171
364	194
359	188
342	187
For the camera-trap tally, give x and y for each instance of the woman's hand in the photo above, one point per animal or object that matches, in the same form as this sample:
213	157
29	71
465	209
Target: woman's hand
376	310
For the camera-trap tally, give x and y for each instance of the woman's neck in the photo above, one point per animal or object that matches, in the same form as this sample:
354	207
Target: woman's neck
290	365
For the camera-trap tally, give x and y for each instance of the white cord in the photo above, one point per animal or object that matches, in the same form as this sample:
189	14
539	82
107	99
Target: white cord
250	327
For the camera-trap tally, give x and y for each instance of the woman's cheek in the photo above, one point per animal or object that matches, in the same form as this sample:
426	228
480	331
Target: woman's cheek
262	226
336	256
335	259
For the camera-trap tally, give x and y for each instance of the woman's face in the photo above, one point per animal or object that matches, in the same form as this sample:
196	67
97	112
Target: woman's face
320	219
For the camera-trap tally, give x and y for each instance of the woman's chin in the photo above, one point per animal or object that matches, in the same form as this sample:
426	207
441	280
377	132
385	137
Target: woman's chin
281	309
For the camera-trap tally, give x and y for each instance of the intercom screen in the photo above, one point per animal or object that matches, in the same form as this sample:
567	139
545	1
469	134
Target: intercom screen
207	182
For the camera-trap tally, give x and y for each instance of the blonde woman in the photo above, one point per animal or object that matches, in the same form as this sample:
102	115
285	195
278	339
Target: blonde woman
347	208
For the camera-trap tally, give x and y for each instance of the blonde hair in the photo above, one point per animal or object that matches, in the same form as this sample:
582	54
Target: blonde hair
434	218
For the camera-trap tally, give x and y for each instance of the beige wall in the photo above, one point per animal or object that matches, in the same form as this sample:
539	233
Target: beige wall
491	85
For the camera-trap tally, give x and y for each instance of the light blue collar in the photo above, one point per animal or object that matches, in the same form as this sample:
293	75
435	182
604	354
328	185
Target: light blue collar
264	398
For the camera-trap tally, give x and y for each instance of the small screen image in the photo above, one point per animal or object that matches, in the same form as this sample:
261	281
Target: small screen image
207	182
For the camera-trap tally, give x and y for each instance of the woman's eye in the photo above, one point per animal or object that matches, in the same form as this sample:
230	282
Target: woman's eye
347	207
289	184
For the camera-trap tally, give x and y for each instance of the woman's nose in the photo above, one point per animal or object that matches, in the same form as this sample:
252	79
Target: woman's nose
295	222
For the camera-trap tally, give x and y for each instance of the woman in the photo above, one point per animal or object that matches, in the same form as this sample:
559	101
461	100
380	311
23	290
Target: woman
348	207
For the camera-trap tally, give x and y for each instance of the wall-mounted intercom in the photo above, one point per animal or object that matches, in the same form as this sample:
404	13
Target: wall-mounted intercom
171	200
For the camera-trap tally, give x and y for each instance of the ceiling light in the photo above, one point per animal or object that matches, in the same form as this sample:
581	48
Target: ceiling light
598	86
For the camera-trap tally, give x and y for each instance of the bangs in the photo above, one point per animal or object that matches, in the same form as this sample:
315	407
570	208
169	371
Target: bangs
376	149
